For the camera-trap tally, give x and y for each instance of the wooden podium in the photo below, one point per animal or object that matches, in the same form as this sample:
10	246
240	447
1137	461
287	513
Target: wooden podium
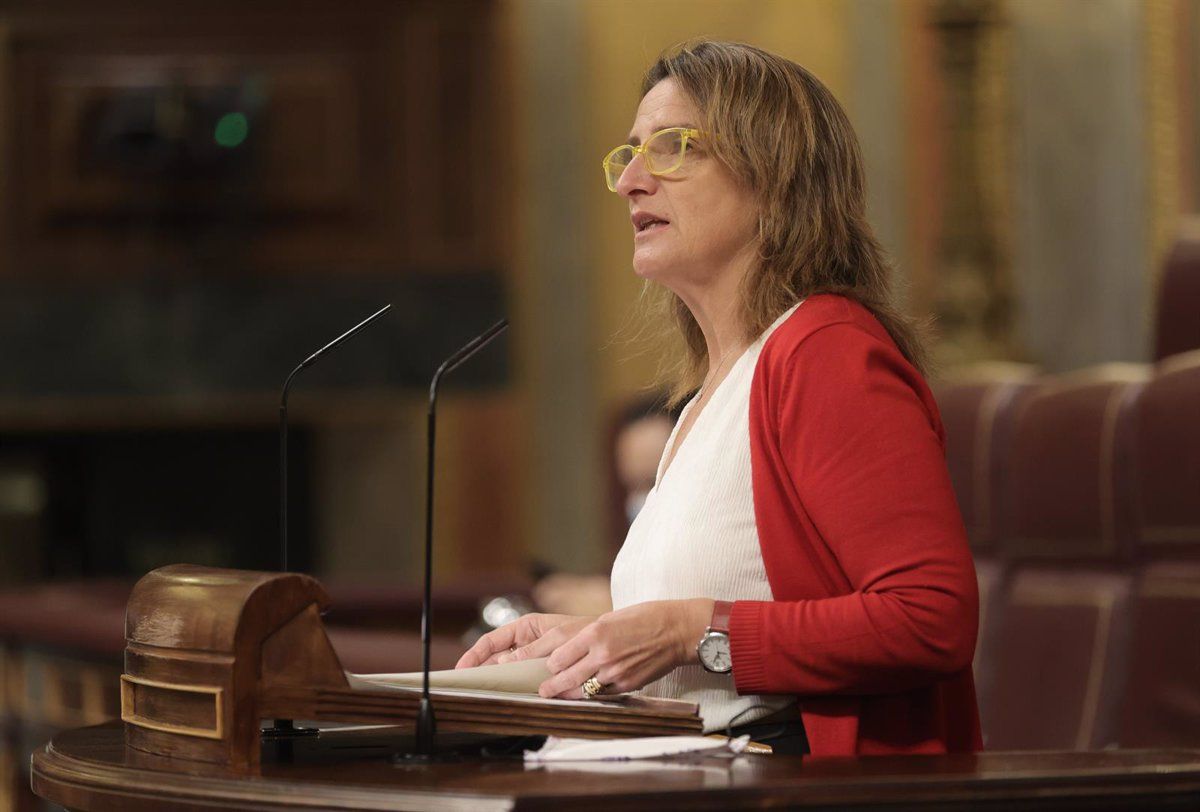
92	769
210	653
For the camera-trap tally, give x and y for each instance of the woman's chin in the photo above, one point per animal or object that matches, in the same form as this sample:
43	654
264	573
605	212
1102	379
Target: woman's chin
648	267
667	277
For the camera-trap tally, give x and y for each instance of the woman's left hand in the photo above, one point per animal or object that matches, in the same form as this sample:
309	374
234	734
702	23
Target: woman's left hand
630	648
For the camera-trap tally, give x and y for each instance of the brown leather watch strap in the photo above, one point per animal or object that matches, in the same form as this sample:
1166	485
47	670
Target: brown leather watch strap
720	617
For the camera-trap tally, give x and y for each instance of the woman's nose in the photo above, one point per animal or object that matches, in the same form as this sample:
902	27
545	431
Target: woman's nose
636	178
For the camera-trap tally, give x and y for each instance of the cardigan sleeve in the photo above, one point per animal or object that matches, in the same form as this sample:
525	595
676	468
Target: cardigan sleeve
866	465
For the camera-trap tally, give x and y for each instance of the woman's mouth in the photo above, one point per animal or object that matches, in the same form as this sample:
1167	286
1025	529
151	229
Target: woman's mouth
645	223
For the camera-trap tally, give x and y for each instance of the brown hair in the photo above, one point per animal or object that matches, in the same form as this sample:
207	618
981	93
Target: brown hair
781	131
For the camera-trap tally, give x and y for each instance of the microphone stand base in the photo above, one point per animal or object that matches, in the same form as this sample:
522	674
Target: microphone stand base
283	735
418	759
285	729
471	747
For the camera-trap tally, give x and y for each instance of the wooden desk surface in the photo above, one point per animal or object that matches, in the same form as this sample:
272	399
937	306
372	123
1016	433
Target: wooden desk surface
90	769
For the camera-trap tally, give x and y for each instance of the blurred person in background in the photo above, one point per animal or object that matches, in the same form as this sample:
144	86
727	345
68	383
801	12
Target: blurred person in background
800	565
639	435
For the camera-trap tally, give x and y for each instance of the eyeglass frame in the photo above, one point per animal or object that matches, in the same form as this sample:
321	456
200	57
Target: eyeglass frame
687	133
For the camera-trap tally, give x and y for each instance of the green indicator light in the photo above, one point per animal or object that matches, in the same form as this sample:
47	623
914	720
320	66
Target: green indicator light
231	130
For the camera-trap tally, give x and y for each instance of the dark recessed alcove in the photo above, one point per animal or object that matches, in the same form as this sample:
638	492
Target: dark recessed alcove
119	503
194	336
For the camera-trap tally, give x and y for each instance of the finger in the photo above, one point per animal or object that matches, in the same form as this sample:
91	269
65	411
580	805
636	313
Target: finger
568	683
571	650
469	659
490	645
494	659
544	646
573	664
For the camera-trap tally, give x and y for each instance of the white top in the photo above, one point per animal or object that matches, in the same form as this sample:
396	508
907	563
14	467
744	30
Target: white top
696	537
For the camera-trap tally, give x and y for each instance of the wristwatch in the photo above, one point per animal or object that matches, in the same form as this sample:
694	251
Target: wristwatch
713	647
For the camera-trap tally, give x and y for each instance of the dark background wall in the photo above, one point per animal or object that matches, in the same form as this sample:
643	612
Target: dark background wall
196	195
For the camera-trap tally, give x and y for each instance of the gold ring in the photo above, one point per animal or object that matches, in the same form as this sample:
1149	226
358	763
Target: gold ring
592	688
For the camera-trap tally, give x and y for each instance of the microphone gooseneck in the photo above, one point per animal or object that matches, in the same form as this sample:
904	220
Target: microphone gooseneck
283	729
426	723
283	429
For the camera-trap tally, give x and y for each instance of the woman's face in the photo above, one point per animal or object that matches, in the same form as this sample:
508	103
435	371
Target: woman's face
695	225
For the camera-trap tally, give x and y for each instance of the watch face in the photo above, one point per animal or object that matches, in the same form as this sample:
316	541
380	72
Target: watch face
714	652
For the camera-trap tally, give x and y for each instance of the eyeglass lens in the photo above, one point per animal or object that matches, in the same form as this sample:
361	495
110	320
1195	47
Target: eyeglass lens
663	153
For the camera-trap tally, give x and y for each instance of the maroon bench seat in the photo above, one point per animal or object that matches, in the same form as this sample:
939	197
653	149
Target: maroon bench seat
1070	471
977	405
1055	655
1161	701
1057	661
1167	487
1177	325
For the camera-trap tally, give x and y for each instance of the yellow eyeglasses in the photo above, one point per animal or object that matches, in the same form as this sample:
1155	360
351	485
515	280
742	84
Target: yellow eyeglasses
663	153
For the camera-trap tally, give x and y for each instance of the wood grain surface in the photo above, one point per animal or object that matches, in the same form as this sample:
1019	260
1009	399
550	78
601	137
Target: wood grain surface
91	769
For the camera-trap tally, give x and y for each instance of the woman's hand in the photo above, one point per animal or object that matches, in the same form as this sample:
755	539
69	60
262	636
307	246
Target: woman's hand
625	650
521	634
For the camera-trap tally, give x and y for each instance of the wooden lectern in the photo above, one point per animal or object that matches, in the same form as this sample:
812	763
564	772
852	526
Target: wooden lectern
210	653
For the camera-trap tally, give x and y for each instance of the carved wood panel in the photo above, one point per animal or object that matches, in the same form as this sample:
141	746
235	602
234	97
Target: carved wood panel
306	136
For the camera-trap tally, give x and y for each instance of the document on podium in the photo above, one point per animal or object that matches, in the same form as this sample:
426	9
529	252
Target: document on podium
508	680
511	682
506	695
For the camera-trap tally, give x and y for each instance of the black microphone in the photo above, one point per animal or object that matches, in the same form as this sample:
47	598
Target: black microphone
283	429
283	728
426	723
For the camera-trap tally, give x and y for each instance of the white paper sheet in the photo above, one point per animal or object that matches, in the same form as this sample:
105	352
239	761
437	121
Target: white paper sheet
557	750
521	677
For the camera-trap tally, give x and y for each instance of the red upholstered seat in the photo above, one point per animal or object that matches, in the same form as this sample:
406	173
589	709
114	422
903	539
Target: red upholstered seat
1057	661
993	578
1168	460
85	618
977	405
1178	322
1069	475
1161	702
1056	658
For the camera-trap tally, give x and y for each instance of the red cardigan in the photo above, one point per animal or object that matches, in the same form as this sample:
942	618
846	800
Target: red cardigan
876	605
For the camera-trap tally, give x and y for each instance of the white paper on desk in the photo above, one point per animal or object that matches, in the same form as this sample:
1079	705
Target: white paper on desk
556	749
521	677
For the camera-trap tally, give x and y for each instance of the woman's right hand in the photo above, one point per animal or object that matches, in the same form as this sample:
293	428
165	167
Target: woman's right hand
533	635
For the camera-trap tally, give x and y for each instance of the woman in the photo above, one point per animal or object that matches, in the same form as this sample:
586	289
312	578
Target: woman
802	527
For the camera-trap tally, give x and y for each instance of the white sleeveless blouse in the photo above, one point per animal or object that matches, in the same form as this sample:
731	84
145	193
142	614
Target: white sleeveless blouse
695	537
